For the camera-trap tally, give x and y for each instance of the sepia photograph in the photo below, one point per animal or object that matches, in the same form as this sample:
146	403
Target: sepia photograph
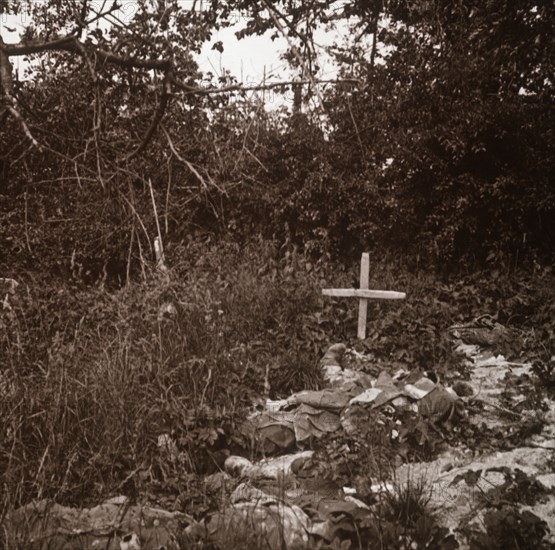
277	274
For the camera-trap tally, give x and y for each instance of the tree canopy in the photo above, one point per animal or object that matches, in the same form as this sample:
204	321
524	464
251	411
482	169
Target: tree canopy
435	139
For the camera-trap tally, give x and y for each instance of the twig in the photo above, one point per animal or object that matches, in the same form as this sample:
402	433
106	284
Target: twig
25	195
247	130
374	43
356	128
96	127
129	254
498	407
134	210
294	48
142	259
538	446
249	152
16	114
208	379
167	208
7	92
259	87
190	165
100	14
77	175
87	59
158	114
159	250
80	19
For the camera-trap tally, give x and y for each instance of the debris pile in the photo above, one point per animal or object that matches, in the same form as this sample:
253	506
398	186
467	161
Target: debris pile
296	421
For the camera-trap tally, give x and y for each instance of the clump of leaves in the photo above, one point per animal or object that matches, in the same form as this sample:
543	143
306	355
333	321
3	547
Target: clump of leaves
508	528
545	371
518	487
419	439
402	519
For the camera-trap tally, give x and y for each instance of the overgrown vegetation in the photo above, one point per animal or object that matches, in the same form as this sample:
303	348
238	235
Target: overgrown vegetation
436	142
434	151
92	378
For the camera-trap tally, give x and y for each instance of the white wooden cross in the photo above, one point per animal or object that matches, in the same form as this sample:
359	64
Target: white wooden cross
363	294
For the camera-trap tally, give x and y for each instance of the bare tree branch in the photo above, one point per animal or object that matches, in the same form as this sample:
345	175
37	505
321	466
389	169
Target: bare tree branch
374	42
94	56
189	164
72	45
258	87
17	115
6	80
87	59
306	71
6	90
161	109
100	14
80	19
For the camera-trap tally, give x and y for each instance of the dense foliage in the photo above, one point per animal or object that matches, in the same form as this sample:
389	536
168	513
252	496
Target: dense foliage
434	148
441	147
92	379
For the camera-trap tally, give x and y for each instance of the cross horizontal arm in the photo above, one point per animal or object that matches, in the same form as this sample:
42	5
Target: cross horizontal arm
363	293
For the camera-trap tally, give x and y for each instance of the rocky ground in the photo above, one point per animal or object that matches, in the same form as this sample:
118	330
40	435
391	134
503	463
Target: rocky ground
380	458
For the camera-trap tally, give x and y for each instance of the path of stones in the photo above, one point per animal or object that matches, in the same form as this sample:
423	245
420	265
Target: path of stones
273	504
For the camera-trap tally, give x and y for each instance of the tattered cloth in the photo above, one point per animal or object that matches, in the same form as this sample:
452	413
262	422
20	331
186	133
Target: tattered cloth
113	525
312	414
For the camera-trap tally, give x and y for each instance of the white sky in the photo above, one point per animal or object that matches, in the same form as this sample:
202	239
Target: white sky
249	59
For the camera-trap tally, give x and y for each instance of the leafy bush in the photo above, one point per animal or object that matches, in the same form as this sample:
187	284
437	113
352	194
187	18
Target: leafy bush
507	527
93	379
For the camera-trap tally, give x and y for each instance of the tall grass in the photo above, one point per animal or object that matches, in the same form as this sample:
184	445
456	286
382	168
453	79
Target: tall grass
90	379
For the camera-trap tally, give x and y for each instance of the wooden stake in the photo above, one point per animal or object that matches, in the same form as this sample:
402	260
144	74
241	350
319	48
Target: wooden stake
363	302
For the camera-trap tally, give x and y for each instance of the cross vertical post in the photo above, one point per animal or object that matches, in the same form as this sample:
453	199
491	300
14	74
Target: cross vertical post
363	302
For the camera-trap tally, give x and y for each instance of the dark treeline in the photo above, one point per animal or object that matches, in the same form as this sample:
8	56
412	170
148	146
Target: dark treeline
436	142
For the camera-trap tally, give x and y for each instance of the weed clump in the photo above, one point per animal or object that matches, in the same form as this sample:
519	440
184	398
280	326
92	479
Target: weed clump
92	380
141	390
